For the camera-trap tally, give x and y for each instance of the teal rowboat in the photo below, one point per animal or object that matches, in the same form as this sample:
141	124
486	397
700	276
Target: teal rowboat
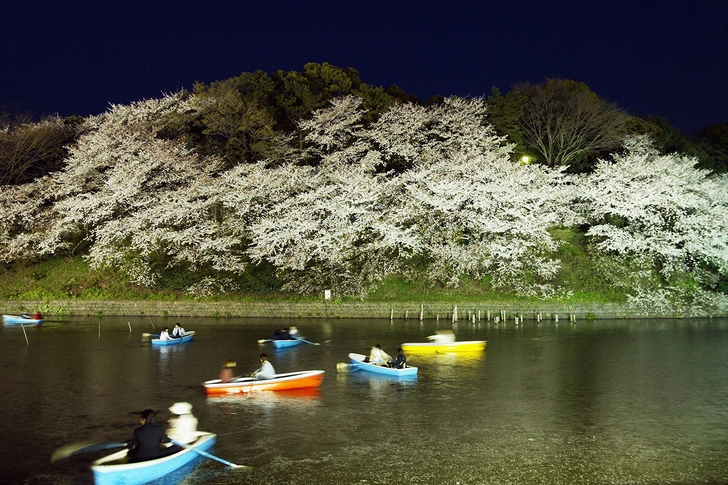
175	341
18	319
112	469
357	360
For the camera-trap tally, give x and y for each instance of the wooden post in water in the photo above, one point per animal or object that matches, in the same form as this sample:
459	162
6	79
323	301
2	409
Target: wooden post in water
422	312
129	326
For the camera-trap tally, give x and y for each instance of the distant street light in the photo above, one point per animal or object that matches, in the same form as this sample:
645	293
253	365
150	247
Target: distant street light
525	159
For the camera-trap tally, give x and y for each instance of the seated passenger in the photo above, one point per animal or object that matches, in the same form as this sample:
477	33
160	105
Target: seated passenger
442	337
183	425
378	356
400	362
266	370
178	331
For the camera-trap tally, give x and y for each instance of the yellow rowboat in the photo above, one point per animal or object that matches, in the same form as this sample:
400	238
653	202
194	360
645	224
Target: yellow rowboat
444	347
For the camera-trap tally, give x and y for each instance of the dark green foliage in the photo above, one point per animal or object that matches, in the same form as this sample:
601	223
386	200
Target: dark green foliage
713	146
710	148
504	113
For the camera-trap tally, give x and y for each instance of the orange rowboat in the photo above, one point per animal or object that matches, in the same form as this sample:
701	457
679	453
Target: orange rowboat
281	382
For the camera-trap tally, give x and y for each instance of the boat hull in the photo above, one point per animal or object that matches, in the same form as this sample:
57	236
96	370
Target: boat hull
282	382
444	347
175	341
17	320
358	361
283	344
107	473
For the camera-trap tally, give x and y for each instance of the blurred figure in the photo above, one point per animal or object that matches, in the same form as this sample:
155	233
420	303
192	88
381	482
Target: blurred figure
378	356
226	373
148	439
442	337
282	334
164	335
266	370
183	424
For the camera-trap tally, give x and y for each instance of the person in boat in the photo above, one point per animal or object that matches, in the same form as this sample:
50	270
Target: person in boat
400	362
442	337
266	370
178	331
293	332
164	335
149	438
38	316
282	334
183	424
378	356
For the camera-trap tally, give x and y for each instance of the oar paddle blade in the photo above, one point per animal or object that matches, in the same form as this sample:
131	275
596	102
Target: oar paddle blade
209	455
264	340
309	343
71	449
344	367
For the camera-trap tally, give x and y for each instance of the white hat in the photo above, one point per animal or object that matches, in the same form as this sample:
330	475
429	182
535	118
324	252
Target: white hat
181	408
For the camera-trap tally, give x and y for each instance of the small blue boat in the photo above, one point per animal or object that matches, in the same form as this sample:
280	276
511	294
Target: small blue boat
285	343
112	469
357	360
18	319
175	341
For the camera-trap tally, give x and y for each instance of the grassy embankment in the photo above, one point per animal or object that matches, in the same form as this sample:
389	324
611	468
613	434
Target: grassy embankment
62	279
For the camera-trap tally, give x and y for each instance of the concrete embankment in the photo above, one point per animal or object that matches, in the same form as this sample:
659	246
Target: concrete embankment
334	309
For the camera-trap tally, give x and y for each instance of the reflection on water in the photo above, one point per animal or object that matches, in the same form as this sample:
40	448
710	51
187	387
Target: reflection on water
293	397
378	386
603	402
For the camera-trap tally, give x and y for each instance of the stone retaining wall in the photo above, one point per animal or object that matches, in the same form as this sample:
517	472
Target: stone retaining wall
329	309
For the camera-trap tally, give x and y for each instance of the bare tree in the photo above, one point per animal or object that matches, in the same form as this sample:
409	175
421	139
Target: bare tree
564	121
30	150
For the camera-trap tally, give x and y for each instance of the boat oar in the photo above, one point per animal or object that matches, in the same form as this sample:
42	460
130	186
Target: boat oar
82	447
304	340
209	455
264	340
150	335
344	367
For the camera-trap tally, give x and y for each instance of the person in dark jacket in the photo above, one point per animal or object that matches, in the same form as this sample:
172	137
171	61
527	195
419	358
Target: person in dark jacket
148	439
400	362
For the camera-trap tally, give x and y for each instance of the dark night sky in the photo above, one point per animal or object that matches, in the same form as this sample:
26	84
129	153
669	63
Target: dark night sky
669	58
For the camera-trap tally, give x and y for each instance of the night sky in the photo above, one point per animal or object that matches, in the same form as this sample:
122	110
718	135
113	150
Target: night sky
668	59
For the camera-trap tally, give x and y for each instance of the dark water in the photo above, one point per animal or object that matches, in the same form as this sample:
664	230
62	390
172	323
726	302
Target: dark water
611	402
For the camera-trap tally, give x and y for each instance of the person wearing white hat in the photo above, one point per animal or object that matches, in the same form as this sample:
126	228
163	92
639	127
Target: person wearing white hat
183	425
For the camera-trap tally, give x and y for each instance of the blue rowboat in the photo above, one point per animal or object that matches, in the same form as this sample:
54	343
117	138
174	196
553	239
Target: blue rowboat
357	360
285	343
18	319
175	341
112	469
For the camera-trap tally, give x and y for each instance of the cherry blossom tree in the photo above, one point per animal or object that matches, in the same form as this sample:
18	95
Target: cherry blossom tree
421	186
660	212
